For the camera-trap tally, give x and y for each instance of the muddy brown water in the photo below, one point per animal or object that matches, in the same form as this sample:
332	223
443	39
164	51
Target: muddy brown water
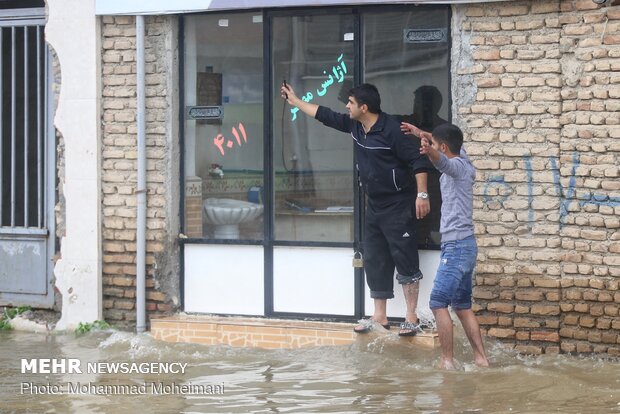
376	374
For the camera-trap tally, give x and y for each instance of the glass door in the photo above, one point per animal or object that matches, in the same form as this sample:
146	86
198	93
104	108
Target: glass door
313	190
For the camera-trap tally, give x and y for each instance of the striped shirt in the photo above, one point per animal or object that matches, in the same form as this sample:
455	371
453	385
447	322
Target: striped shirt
457	182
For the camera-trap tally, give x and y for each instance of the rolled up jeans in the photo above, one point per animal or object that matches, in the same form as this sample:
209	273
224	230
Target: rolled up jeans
453	282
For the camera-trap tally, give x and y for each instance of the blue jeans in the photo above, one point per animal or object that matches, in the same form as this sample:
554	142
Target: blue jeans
453	281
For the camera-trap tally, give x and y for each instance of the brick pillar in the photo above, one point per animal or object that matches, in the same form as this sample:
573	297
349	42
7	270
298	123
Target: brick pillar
193	207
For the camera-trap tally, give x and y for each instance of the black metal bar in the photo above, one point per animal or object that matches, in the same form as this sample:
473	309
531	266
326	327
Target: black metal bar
181	35
39	136
358	190
233	242
13	120
1	123
323	317
26	129
268	169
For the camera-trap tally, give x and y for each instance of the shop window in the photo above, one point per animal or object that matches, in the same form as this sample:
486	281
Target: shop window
223	83
313	164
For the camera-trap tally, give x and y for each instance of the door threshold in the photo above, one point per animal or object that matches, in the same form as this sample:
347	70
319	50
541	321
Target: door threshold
268	333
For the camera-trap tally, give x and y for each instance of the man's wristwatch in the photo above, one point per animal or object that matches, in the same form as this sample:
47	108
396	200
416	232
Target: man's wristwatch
423	195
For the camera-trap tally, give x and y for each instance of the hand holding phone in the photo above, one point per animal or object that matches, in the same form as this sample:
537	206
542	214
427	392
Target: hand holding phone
285	95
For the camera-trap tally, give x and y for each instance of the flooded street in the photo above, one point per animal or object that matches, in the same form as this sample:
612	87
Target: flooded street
376	374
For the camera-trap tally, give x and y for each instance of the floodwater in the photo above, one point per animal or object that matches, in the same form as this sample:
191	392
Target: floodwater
377	374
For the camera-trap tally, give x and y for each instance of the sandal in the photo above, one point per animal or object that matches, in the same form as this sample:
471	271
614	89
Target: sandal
366	325
409	329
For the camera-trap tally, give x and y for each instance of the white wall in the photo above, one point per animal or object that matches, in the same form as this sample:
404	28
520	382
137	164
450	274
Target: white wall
224	279
315	280
72	31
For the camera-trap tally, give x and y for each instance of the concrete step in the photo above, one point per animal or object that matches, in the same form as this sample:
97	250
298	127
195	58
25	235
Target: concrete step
266	333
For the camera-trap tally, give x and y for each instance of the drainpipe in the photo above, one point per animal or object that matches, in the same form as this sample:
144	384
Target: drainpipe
141	189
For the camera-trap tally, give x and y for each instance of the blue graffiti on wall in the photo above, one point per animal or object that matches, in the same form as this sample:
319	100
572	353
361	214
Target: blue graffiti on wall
567	196
530	192
504	190
570	196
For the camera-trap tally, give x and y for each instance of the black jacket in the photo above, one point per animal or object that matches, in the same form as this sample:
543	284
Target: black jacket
387	159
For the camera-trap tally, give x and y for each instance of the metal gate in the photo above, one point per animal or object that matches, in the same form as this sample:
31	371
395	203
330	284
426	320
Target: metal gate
27	161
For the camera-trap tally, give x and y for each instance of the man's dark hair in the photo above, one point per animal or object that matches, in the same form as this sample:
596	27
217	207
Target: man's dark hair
450	135
367	94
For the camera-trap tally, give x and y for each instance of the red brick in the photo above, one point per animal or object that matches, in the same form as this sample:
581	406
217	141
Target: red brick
545	336
487	319
611	40
582	307
530	295
603	323
595	336
523	336
526	323
501	307
502	333
529	349
597	310
587	321
571	319
611	310
156	296
545	310
584	347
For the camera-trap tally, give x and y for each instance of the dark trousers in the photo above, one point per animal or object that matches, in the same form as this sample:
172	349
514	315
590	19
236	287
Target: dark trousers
390	241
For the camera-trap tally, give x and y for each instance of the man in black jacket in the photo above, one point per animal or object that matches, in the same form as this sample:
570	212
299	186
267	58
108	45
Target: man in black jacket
385	159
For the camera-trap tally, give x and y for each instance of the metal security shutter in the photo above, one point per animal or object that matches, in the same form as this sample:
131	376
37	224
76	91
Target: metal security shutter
25	196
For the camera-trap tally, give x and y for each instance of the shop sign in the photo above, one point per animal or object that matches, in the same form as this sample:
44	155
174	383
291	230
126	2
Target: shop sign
425	35
205	112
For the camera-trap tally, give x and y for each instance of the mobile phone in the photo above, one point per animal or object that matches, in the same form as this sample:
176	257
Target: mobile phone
285	85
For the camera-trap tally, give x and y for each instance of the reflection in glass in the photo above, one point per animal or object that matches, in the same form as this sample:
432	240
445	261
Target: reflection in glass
312	163
224	126
407	56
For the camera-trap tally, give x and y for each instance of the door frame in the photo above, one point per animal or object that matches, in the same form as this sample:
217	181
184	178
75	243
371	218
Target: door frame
270	242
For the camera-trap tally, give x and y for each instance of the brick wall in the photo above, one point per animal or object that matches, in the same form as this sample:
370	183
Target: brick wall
119	159
539	98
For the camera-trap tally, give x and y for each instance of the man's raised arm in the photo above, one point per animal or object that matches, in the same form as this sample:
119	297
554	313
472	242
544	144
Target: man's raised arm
306	107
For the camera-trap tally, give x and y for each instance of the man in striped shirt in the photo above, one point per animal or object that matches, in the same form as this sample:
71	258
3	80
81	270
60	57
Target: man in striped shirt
453	282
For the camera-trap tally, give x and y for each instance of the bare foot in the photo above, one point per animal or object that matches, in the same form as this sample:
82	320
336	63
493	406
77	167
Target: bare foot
446	364
481	362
